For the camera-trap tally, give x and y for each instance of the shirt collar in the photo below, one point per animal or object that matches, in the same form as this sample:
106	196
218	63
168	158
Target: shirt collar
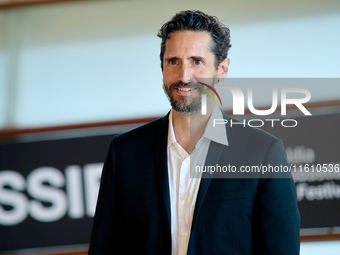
171	133
217	134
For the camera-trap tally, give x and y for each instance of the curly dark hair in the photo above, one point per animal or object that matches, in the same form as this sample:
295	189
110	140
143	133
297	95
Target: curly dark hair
199	22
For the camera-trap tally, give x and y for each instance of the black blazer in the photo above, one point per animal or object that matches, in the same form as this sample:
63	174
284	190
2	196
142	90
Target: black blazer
257	215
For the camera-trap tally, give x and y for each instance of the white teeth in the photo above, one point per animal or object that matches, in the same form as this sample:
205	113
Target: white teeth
184	89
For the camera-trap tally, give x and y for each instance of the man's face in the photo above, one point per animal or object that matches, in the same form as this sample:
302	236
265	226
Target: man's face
188	57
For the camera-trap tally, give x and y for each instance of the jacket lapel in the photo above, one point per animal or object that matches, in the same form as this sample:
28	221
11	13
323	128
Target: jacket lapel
213	157
214	154
161	162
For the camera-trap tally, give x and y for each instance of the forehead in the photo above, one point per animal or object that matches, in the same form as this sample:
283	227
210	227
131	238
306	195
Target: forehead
188	42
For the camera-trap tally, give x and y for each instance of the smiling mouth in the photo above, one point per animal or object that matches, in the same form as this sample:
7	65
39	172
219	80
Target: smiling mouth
184	89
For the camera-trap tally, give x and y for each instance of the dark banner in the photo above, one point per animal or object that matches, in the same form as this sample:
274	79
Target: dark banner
48	189
313	151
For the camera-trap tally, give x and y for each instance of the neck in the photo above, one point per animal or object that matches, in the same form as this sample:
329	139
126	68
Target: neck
189	129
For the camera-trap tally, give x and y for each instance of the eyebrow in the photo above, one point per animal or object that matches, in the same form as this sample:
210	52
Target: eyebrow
171	58
198	58
192	57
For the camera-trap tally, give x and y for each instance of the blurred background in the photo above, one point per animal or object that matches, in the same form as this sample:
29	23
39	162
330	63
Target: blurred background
74	73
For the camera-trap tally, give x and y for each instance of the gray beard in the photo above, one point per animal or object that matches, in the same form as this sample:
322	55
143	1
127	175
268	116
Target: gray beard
183	105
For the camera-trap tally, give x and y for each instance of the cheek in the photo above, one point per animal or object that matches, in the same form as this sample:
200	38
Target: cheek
202	72
169	76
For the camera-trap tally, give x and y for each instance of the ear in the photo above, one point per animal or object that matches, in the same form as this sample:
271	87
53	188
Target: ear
223	69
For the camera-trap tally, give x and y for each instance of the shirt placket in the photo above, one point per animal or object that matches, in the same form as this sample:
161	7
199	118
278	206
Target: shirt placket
183	216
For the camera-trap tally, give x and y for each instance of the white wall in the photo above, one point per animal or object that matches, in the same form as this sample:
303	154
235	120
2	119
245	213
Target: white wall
304	47
3	83
318	248
97	61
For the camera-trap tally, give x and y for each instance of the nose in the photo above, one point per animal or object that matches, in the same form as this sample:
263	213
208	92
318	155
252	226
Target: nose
185	73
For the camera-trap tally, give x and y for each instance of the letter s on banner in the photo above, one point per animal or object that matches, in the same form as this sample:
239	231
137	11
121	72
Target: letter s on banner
47	193
13	198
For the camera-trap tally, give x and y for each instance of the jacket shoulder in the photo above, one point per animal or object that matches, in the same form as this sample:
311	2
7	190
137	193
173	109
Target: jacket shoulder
247	134
144	134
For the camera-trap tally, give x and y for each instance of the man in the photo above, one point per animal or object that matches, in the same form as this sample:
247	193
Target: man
150	203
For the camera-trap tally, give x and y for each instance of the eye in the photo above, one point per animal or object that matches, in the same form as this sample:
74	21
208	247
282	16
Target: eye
172	61
198	62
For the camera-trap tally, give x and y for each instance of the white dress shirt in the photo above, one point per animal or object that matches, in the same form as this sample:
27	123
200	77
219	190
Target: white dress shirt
183	188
